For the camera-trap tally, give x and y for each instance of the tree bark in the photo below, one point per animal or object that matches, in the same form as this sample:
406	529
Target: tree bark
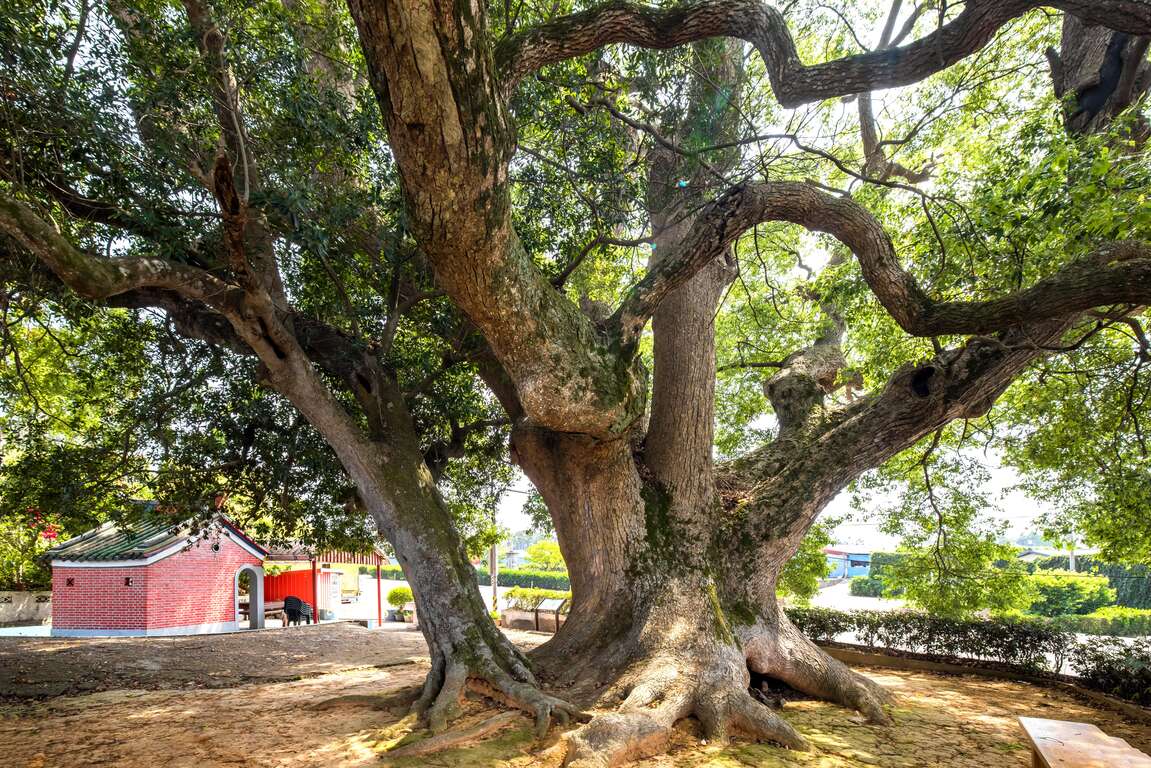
248	312
1099	72
637	523
595	495
674	584
674	591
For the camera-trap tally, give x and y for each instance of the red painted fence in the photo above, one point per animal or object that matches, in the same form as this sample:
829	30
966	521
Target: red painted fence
296	583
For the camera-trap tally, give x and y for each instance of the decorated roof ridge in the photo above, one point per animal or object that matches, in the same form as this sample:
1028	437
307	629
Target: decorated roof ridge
296	551
110	542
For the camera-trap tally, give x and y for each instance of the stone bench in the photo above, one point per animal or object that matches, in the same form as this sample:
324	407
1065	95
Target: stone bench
1062	744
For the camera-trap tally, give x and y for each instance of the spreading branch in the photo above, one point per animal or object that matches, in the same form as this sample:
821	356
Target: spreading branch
1115	273
794	82
814	462
97	277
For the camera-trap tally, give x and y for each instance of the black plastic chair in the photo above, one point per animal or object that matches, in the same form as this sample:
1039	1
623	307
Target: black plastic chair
296	610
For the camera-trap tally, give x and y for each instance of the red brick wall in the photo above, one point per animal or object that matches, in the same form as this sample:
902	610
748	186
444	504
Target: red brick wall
195	586
99	599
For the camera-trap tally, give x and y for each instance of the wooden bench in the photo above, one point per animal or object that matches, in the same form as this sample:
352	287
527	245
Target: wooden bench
1060	744
272	610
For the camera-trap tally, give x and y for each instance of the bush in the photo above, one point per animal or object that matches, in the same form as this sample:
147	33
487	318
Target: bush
821	624
398	597
866	586
1132	583
513	577
1116	667
1111	620
881	562
1061	593
1031	644
388	572
529	598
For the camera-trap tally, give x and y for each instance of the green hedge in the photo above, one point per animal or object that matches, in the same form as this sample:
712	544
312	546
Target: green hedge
867	586
1111	665
389	572
1114	620
511	577
1061	593
1023	643
1132	583
1116	667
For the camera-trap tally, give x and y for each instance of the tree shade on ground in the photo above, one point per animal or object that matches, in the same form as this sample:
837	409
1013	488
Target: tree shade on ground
488	218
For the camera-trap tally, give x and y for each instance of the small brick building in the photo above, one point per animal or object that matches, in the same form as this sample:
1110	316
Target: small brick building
155	579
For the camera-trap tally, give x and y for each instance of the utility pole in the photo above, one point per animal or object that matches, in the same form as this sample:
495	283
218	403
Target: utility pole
494	564
494	568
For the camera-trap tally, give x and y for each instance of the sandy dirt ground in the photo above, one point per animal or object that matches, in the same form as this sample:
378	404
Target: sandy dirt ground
41	667
349	716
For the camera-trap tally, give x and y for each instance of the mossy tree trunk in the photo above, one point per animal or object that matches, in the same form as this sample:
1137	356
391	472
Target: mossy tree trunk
674	583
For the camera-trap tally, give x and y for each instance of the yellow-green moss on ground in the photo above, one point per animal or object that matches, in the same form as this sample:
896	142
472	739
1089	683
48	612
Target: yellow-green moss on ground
346	719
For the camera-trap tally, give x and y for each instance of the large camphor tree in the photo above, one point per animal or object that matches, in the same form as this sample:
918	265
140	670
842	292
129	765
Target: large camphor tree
183	201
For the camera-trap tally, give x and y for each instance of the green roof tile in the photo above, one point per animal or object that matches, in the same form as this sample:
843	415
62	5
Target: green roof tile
138	541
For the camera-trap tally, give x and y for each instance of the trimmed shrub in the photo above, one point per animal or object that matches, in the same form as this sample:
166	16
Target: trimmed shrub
1031	644
1113	620
398	597
514	577
867	586
1116	667
529	598
821	624
387	572
1132	583
1061	593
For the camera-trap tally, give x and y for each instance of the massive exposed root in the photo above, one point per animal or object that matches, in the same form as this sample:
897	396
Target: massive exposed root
660	692
490	667
781	651
689	673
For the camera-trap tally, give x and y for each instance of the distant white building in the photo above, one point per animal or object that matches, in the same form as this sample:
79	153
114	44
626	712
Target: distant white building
515	558
1032	554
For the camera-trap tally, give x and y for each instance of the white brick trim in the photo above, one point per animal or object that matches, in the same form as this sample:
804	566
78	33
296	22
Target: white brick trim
191	629
246	546
177	547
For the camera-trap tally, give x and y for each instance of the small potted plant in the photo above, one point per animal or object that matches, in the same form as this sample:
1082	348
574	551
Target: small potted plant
398	597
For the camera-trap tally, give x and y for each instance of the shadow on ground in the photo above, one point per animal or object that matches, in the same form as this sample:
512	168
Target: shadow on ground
350	717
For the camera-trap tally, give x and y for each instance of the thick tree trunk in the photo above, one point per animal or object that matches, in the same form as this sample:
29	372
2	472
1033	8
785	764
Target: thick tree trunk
693	640
595	496
467	650
1098	73
674	593
679	608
